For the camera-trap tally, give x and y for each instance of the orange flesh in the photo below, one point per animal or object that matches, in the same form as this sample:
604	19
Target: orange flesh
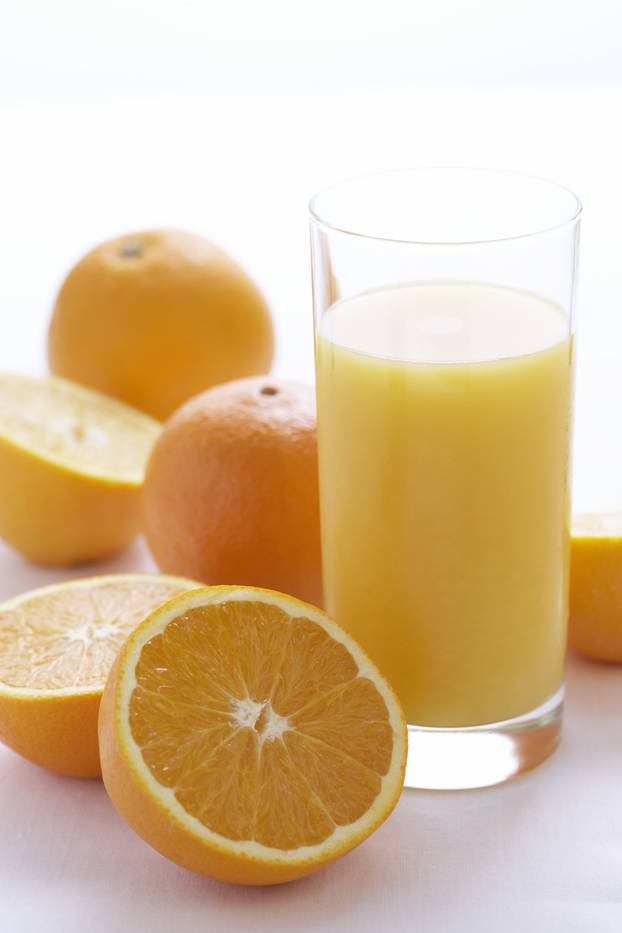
67	422
260	723
70	638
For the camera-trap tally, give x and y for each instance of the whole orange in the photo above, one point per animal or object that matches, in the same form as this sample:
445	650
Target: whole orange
231	489
152	318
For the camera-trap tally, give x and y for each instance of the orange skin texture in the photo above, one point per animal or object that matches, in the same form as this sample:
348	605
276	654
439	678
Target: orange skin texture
56	517
44	731
231	489
595	626
154	317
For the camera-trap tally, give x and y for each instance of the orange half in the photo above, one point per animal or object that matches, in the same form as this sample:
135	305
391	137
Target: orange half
595	623
245	736
57	645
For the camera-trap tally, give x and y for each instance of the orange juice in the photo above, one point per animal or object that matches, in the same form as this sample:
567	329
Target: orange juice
443	442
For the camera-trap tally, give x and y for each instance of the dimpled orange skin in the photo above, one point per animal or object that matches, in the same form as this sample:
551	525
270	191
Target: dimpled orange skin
156	316
58	518
45	733
231	489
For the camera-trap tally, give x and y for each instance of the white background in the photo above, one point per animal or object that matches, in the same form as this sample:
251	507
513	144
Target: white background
224	118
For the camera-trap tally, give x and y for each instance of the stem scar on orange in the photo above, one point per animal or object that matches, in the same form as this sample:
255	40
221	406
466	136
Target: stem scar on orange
231	489
156	316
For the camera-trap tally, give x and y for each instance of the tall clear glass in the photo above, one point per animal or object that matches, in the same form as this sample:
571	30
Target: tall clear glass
443	303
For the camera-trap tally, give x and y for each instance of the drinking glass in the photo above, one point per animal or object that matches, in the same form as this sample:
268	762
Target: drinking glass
444	330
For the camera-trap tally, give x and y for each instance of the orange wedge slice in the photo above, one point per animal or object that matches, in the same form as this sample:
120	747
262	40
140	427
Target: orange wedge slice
57	645
245	736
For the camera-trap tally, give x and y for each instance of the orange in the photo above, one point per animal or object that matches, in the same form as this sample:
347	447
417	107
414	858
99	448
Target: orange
245	736
154	317
595	627
231	491
72	464
57	645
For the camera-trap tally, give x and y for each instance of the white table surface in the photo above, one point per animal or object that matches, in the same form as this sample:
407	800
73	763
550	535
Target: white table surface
541	854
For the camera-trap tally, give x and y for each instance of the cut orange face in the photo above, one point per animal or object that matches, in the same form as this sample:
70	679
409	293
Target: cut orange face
57	645
245	736
72	465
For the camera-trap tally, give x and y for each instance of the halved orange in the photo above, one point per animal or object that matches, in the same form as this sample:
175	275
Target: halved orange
57	645
72	464
245	736
595	623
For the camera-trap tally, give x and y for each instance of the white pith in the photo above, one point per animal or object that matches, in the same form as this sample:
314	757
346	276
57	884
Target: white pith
248	714
90	632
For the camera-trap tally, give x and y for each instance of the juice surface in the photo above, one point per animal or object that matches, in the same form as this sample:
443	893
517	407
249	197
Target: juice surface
444	423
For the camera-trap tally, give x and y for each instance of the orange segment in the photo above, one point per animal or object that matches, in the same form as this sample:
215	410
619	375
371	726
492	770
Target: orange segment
326	770
315	664
258	728
288	814
57	645
354	719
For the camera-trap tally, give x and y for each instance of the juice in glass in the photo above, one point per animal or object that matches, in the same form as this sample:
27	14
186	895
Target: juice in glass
443	445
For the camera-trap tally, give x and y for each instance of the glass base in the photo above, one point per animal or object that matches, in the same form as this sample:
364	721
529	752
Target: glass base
479	756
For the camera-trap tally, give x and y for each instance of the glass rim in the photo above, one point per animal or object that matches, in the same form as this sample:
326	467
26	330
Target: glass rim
317	218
